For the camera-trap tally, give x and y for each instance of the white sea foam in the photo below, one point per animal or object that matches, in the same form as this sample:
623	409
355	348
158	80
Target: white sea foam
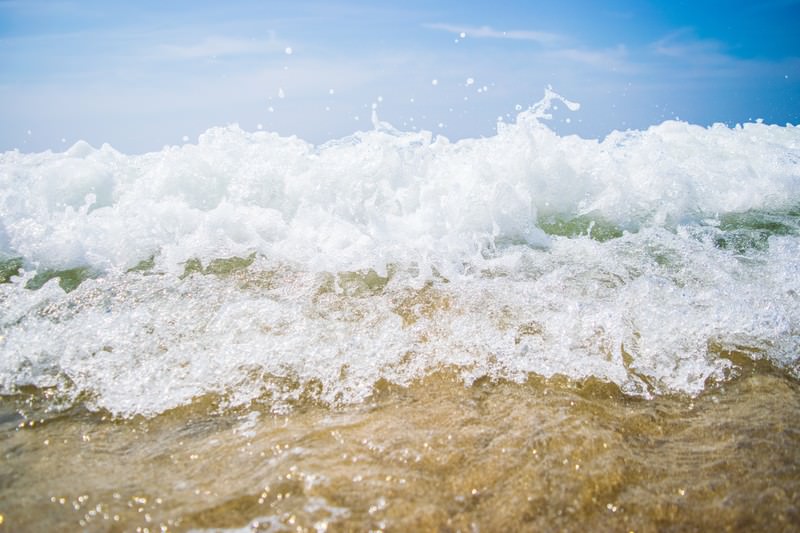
642	259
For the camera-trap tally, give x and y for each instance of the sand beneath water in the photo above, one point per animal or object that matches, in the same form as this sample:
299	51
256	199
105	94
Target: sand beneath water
547	455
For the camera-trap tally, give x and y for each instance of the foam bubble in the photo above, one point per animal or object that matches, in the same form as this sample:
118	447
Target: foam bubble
250	265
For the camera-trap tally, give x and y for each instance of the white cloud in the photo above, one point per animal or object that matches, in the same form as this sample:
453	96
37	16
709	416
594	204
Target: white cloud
682	56
486	32
556	46
217	46
609	59
682	44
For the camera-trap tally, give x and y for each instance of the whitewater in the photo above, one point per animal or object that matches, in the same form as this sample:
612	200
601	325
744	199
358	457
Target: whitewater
251	267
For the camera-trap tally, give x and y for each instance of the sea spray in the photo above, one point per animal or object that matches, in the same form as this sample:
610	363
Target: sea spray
251	266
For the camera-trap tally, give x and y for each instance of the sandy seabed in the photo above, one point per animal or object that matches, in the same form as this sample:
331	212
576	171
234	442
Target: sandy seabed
546	455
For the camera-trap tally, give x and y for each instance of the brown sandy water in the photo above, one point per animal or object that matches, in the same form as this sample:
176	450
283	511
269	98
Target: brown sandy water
547	455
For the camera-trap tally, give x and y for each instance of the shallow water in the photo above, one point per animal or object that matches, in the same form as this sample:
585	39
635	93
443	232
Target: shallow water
248	259
545	455
394	331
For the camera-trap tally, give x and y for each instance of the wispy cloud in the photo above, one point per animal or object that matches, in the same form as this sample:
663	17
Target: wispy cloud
555	46
688	58
682	44
487	32
615	59
216	47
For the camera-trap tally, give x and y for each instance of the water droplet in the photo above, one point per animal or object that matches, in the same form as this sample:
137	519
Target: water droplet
288	50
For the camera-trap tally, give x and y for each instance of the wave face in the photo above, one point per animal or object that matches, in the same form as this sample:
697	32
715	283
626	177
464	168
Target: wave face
253	266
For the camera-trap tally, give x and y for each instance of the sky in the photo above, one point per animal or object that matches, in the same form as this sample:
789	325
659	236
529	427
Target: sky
147	74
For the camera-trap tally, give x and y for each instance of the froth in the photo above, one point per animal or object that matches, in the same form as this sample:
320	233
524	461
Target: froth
250	265
380	196
651	312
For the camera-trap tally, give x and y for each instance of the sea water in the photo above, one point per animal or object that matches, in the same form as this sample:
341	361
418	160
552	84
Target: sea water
401	331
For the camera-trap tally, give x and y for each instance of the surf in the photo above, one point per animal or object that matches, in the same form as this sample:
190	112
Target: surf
252	266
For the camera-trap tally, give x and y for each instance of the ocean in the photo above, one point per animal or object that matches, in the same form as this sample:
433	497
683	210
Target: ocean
395	331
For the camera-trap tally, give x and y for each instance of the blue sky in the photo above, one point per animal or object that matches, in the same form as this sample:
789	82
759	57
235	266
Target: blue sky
141	75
